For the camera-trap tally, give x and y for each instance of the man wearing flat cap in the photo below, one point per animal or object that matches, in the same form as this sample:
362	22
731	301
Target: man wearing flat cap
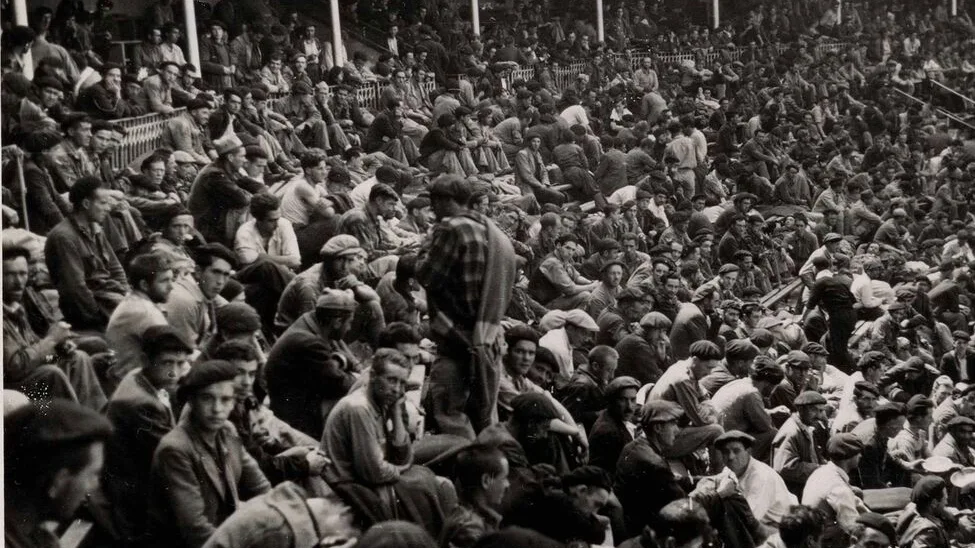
957	443
832	294
877	470
738	354
613	428
865	396
798	367
604	295
220	193
828	490
52	456
695	322
795	453
959	364
201	472
740	405
680	384
961	402
216	62
644	482
310	367
910	447
646	353
766	493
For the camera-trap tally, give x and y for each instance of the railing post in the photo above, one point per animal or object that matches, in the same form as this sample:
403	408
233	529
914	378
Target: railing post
192	39
20	19
600	27
337	35
476	17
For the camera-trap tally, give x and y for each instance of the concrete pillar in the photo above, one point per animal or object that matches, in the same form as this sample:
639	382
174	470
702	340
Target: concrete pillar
337	35
839	12
192	35
476	17
716	8
20	19
954	8
600	26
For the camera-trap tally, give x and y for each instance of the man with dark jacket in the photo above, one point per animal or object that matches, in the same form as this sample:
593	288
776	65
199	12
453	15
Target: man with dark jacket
610	433
141	412
220	190
386	135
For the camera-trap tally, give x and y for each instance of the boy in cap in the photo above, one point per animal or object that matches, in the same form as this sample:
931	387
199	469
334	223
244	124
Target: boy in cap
798	366
52	460
829	490
796	455
201	471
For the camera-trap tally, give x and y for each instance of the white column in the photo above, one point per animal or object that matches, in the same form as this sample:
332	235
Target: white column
337	35
716	7
600	27
954	8
20	19
192	37
476	17
839	12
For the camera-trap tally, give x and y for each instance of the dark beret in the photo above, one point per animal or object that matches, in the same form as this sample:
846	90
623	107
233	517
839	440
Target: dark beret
618	385
40	429
237	317
204	374
258	94
48	82
705	350
159	338
843	446
762	338
532	407
196	104
872	520
41	140
740	349
814	349
728	268
631	294
961	335
809	397
864	386
887	411
765	369
961	421
918	405
606	244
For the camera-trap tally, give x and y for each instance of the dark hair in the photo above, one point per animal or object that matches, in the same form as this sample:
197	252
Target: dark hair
233	351
472	462
681	520
521	333
11	252
384	356
254	152
151	159
311	159
145	268
84	189
263	203
396	534
398	333
800	524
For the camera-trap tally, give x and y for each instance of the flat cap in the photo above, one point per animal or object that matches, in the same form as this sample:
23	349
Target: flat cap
871	359
897	305
204	374
734	435
620	384
905	292
798	358
864	386
918	404
34	429
632	294
579	318
961	335
814	349
728	268
961	421
765	369
336	300
809	397
730	304
740	349
158	338
887	411
606	244
341	245
844	446
873	520
762	338
655	320
227	144
660	411
705	350
832	237
532	407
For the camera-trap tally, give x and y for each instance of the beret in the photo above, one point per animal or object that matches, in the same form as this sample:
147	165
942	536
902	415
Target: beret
961	421
48	82
755	216
887	411
762	338
730	305
873	520
905	292
728	268
742	254
620	384
961	335
216	23
338	246
744	196
196	104
705	350
766	369
532	407
40	140
809	397
798	358
157	338
382	190
237	317
259	94
660	411
918	404
302	88
632	294
643	195
419	202
844	446
814	349
660	249
40	429
734	435
544	356
926	488
864	386
204	374
655	320
336	300
832	237
627	205
871	359
612	263
740	349
589	475
606	244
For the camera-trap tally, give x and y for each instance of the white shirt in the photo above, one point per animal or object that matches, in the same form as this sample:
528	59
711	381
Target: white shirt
576	114
249	244
828	489
871	293
765	491
360	194
557	340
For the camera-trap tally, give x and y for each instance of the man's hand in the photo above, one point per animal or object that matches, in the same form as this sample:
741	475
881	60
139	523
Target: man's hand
59	332
317	461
